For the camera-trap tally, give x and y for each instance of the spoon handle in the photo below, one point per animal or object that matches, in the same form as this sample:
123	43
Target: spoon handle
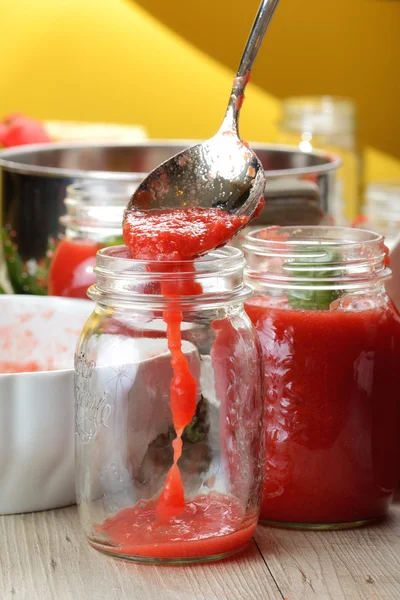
260	25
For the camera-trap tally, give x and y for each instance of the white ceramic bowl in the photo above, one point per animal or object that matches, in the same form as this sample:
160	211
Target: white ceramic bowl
37	408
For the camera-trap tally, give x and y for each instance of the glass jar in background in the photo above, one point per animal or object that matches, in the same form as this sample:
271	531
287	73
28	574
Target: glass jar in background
329	123
381	211
331	342
93	221
126	440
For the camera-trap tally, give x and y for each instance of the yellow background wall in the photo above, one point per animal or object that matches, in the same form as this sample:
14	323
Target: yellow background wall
339	47
109	60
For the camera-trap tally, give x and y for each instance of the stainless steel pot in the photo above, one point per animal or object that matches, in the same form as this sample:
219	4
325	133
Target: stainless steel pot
33	179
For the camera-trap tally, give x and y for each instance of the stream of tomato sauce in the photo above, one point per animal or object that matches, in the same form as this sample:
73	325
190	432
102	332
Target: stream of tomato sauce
170	527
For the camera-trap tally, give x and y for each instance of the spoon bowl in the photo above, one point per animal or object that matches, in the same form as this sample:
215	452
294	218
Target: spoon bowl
222	172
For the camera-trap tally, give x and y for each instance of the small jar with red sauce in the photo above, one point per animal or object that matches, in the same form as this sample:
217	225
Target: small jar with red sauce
169	409
331	342
93	221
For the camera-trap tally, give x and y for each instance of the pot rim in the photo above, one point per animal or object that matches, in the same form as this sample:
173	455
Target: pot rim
10	159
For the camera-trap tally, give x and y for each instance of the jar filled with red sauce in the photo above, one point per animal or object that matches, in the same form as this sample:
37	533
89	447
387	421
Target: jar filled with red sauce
93	221
331	342
160	480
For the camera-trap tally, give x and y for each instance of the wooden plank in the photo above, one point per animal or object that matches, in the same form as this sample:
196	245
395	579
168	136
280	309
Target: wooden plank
358	564
44	556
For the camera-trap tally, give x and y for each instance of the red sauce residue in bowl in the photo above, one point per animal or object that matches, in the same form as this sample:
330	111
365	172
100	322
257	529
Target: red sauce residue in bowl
25	367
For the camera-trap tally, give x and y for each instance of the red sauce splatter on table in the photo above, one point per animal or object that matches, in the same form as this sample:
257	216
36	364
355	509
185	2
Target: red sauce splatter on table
169	527
332	438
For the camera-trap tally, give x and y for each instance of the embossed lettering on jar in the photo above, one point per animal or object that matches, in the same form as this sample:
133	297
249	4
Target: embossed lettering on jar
124	425
331	342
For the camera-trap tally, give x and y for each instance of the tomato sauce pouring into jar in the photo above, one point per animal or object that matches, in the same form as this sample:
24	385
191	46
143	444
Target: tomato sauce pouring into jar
174	460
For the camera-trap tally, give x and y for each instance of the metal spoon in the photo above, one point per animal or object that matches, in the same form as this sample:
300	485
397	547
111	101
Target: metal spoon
222	172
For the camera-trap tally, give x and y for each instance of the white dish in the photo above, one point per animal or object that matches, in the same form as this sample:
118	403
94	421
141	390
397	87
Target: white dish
37	408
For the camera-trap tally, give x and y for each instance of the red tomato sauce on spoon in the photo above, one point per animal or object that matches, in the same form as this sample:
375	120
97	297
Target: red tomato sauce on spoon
179	234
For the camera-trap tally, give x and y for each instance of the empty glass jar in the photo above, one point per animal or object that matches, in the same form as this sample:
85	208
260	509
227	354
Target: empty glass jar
382	210
327	123
136	500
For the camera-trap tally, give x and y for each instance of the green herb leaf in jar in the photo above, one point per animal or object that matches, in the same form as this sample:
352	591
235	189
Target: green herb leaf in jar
314	266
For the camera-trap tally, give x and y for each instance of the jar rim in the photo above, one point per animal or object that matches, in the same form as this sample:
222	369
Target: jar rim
100	191
324	115
96	207
307	257
118	257
384	192
124	280
388	185
265	237
324	104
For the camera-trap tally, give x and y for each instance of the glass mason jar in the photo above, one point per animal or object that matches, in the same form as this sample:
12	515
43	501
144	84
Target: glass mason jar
331	343
327	123
382	210
126	436
93	221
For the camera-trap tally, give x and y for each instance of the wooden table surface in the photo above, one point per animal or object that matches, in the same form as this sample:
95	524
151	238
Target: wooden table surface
44	556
